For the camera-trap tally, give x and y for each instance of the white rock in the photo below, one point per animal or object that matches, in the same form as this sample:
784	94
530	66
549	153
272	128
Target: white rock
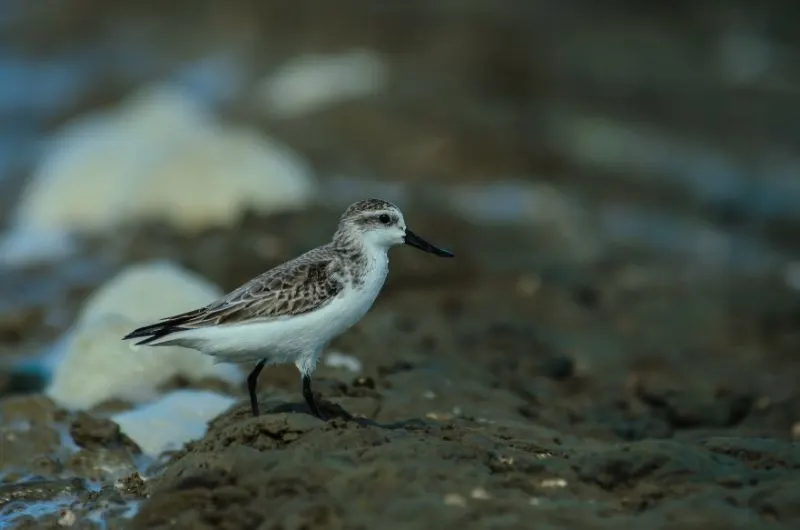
342	360
91	169
157	155
96	365
226	172
311	82
146	292
175	419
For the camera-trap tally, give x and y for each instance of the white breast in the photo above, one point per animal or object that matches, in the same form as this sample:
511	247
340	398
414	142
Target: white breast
359	298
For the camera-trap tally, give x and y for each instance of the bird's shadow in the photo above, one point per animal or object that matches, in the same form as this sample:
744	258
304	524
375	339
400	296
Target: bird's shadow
334	411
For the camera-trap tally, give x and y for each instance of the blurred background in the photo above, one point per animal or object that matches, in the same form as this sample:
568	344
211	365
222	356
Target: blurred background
620	177
670	129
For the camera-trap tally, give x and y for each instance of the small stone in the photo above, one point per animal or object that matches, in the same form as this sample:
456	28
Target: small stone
454	499
553	483
364	382
480	494
429	394
344	361
67	518
89	432
796	431
133	484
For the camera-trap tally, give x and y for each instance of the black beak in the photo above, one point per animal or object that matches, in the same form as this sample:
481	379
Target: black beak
415	241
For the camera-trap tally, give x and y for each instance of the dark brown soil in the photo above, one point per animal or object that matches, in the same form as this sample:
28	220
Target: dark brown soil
565	399
495	393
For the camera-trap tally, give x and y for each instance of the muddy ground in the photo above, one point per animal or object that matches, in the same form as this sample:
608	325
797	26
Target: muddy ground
494	394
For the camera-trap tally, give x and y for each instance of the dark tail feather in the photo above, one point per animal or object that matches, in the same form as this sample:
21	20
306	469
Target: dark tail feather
152	332
167	326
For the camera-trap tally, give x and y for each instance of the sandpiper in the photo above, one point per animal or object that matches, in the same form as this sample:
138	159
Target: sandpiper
290	313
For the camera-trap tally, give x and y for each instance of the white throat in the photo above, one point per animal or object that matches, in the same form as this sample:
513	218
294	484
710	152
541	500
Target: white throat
377	260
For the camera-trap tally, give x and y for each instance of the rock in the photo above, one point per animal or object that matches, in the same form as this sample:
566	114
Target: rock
342	360
218	174
159	155
98	433
311	82
364	382
148	291
106	153
98	366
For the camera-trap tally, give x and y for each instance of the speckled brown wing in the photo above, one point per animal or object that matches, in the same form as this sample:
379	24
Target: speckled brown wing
293	289
296	287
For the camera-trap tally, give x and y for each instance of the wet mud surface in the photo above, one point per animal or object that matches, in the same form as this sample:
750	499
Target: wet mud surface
498	406
59	468
494	393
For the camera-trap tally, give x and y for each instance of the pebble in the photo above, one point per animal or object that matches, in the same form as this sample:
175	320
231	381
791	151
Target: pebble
309	83
454	499
67	518
480	494
553	483
342	360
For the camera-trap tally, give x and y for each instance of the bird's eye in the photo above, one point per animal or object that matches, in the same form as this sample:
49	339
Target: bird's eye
385	219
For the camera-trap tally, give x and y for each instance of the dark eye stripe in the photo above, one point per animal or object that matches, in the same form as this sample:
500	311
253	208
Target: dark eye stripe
375	219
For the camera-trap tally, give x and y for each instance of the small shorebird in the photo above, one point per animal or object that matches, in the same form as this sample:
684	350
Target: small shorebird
290	313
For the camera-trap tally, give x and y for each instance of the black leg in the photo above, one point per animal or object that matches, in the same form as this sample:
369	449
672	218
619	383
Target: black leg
252	379
310	398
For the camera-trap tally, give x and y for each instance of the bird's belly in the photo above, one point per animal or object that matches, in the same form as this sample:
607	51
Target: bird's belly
340	314
284	340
